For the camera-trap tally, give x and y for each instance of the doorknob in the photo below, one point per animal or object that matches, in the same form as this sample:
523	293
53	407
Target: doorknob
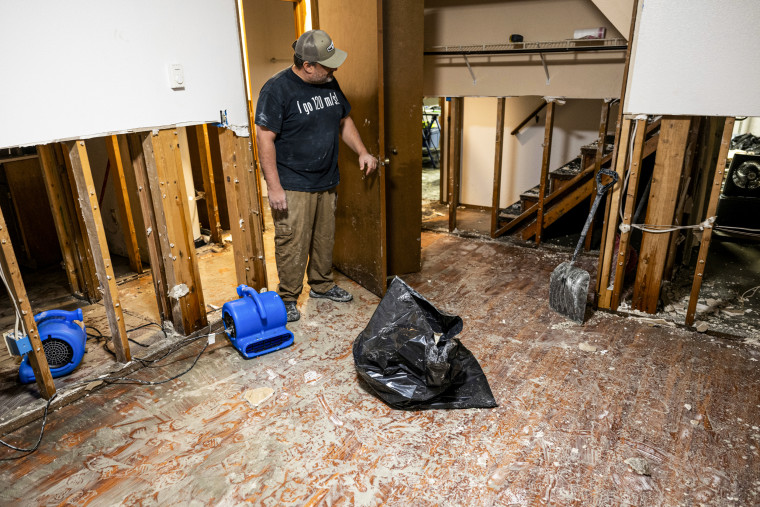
385	161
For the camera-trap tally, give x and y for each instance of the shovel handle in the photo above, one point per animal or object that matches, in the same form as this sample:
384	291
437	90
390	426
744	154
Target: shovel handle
600	190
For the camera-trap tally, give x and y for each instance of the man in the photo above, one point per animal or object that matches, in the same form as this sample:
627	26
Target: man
301	114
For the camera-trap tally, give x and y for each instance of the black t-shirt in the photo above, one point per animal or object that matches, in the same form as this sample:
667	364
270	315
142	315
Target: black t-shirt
306	118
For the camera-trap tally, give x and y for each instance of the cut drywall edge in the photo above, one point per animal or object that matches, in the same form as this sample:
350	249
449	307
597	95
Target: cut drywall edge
240	131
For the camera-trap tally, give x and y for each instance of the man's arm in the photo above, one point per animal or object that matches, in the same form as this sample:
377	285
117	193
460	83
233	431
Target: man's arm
268	159
351	137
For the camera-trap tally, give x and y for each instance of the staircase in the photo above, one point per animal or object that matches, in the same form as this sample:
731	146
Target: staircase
568	186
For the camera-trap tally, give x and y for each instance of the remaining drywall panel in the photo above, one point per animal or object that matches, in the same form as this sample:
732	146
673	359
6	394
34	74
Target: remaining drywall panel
700	57
463	22
575	124
83	68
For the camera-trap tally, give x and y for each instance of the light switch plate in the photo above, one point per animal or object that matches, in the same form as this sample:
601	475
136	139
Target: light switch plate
176	76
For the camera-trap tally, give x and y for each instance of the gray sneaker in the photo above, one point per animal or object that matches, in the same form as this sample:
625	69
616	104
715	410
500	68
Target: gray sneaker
336	294
292	310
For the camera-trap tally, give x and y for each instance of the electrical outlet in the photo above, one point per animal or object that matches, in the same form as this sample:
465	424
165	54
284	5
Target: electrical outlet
17	345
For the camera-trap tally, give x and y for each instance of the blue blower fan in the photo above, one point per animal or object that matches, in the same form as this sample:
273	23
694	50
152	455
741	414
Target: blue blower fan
255	323
62	340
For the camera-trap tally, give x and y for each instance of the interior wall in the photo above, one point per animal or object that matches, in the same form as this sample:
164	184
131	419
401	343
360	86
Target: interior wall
463	22
575	124
84	68
695	58
269	32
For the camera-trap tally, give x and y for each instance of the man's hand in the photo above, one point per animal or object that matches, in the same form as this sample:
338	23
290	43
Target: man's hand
277	199
367	163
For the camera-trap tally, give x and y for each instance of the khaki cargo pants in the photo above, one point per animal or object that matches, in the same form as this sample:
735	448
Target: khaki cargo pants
305	231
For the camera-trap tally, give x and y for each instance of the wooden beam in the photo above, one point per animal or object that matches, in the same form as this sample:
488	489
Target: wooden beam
709	148
548	133
712	207
601	142
17	293
86	260
456	124
61	217
138	142
242	201
686	190
630	206
603	291
96	235
668	167
442	146
571	200
499	156
200	158
165	176
603	294
122	200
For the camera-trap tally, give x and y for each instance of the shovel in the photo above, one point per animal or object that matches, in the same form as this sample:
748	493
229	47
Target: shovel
568	285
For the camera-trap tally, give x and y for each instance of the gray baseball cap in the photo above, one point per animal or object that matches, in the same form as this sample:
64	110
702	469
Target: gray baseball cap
317	46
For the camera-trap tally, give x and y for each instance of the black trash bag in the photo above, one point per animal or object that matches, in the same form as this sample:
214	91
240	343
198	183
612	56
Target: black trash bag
397	355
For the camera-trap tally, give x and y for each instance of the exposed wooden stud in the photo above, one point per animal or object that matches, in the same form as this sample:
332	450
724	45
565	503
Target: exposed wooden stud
122	200
709	148
499	155
687	178
630	206
601	142
257	171
17	292
456	125
87	261
668	167
603	294
548	132
137	143
712	207
200	156
242	200
165	175
96	235
603	291
60	215
442	153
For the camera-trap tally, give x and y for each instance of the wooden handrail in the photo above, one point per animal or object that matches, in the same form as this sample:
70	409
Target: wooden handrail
528	118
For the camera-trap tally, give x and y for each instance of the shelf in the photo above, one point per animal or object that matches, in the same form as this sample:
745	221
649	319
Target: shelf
563	46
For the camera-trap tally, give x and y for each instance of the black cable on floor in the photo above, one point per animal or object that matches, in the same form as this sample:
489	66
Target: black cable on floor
112	380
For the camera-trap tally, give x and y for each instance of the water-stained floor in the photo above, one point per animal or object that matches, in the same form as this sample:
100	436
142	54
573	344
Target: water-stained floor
612	412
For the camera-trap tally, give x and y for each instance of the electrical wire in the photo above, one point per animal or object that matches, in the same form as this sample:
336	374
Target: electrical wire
114	380
39	439
15	305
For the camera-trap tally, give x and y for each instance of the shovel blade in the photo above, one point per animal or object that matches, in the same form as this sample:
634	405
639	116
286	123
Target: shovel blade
568	291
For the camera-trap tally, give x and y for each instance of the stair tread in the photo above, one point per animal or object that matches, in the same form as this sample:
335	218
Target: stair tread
568	170
512	211
531	193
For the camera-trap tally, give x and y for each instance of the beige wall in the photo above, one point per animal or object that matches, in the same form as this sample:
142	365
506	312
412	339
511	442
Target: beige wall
270	31
462	22
576	123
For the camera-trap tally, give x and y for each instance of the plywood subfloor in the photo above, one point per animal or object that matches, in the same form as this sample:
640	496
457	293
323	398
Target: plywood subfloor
575	402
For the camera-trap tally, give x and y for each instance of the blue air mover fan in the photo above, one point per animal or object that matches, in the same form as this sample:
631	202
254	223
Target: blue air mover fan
62	340
255	323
